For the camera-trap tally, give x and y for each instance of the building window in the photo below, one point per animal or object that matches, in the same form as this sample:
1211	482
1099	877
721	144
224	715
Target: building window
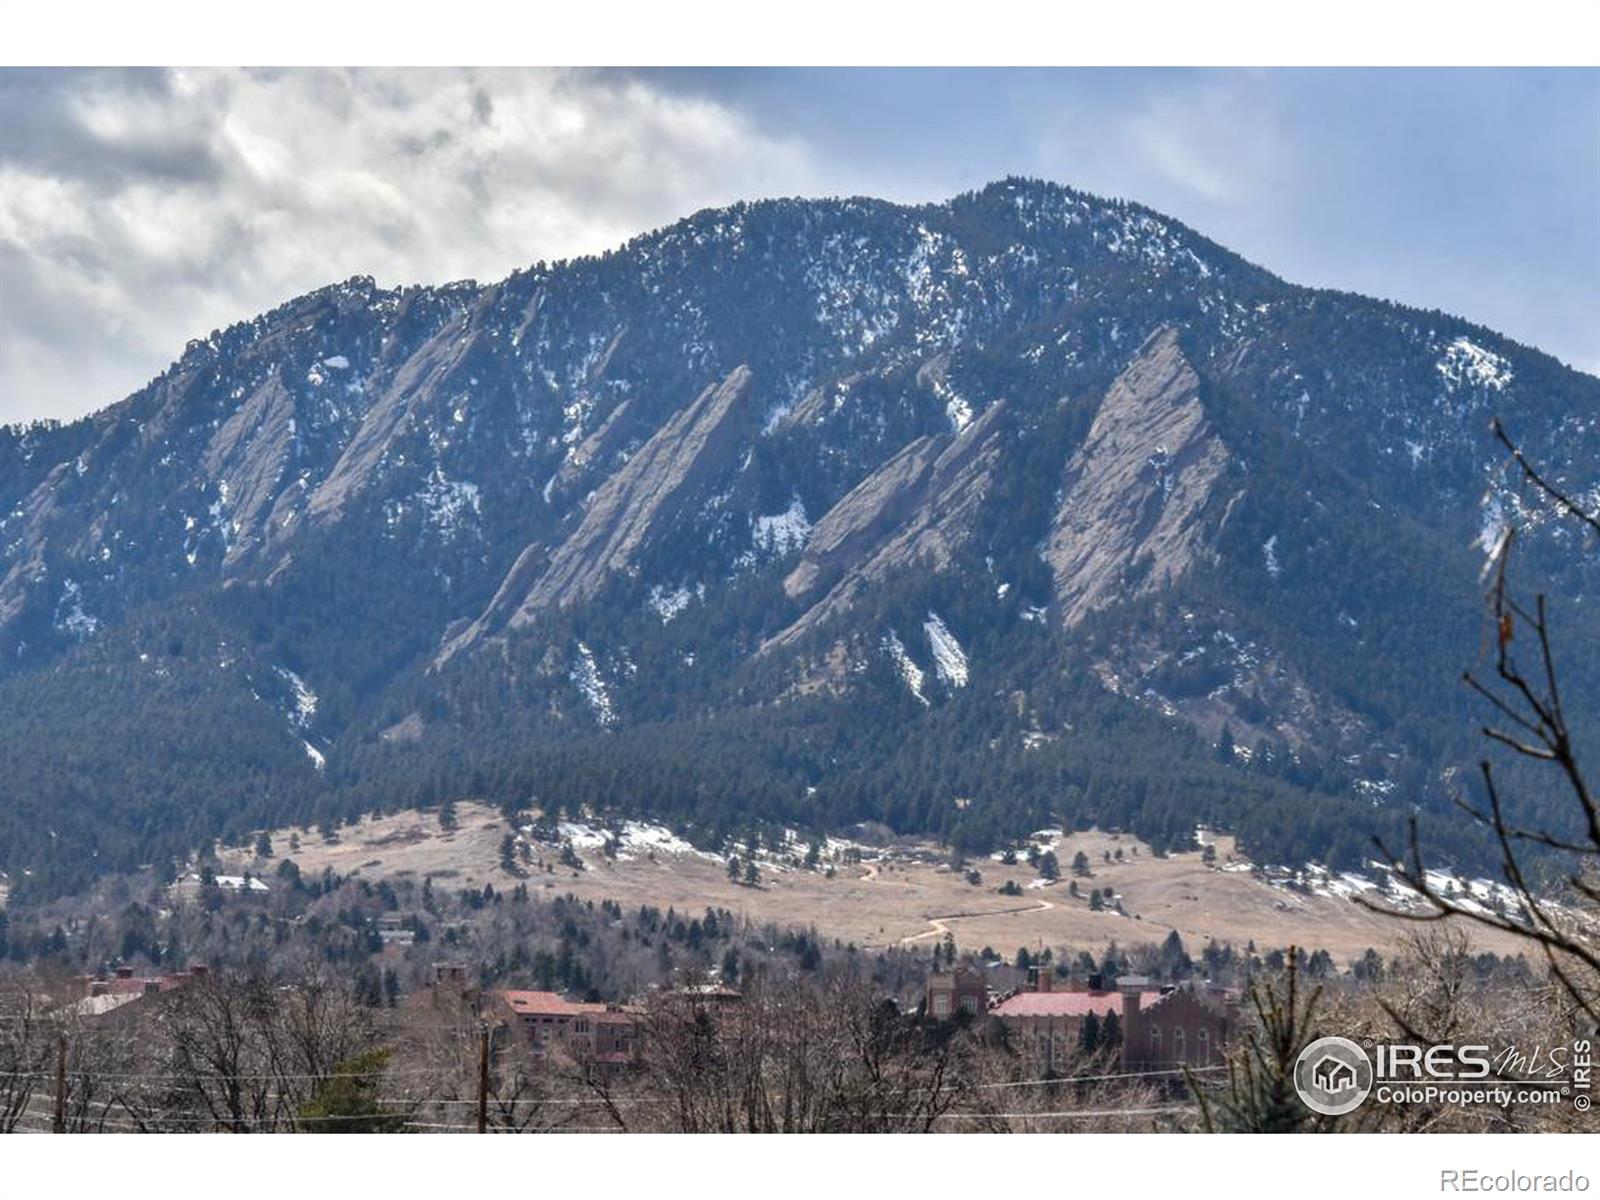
1155	1043
1203	1047
1178	1046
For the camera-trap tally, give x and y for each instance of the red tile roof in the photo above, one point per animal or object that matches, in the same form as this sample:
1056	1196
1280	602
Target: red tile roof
120	985
1059	1004
546	1004
553	1004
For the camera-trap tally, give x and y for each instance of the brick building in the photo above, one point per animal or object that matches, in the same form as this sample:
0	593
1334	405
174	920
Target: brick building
960	990
1161	1028
101	994
553	1026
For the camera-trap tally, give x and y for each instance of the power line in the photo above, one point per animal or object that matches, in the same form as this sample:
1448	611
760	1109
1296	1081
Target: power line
1069	1115
1092	1078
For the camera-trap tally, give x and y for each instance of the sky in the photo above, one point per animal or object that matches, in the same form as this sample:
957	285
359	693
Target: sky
140	209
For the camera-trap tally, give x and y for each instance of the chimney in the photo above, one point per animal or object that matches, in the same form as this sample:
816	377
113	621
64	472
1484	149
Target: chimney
1042	979
1130	1007
98	987
198	970
124	972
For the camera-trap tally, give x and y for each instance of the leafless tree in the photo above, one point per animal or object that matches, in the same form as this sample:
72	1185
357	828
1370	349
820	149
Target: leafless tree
243	1053
801	1056
1525	693
27	1053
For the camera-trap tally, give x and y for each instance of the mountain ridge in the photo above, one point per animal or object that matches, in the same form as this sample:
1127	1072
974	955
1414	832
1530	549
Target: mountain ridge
595	498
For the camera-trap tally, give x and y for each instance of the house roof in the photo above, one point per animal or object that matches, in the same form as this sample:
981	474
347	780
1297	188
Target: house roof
98	1006
553	1004
140	984
713	991
230	883
546	1004
1059	1004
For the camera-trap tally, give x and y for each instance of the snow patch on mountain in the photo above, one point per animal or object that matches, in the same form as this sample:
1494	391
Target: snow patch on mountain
305	700
585	676
949	659
779	533
1493	526
913	675
1466	362
448	503
71	617
633	839
668	604
1269	552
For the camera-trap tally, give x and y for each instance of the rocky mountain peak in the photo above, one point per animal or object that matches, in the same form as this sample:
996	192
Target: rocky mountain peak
781	441
1139	497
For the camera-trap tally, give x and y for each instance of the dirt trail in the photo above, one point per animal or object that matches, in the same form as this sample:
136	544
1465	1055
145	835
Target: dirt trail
939	928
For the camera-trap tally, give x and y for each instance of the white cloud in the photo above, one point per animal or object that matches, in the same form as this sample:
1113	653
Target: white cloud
138	210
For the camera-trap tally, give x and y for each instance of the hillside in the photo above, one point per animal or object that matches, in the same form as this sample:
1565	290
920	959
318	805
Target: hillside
969	518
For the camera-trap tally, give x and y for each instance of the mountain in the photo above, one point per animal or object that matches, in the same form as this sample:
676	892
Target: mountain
960	517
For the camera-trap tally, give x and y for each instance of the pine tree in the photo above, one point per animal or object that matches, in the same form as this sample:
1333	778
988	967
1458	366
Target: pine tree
1111	1031
347	1101
1260	1094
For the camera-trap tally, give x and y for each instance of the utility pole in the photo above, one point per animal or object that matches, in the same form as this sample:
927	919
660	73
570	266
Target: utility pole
483	1077
59	1125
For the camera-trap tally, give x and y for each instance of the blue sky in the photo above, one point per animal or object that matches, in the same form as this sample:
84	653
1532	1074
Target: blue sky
140	209
1475	191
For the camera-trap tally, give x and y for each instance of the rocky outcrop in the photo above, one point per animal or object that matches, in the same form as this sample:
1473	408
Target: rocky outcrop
1136	496
413	385
245	459
644	497
28	546
915	510
594	452
507	598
